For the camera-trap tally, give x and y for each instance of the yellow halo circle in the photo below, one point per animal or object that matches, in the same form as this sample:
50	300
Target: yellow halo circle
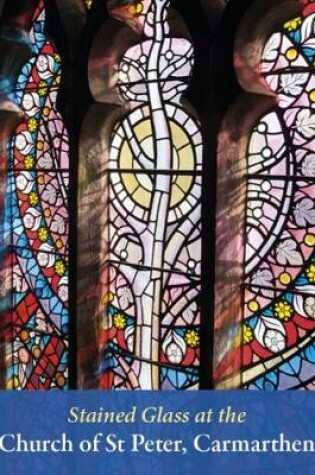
140	185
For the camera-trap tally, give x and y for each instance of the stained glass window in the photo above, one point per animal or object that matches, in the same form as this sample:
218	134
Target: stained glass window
273	346
150	168
139	225
36	223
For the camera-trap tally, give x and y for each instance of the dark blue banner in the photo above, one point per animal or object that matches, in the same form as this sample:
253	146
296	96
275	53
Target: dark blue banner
159	433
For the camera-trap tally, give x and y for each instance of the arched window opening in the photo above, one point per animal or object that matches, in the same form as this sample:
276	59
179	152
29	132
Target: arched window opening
35	224
140	206
265	286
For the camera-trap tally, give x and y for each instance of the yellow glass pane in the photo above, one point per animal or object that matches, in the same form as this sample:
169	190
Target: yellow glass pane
130	182
88	3
186	158
142	197
179	136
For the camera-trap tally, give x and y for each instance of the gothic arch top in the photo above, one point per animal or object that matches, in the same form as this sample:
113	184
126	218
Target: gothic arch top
273	347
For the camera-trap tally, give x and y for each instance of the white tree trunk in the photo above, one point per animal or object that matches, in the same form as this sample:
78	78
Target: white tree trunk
149	306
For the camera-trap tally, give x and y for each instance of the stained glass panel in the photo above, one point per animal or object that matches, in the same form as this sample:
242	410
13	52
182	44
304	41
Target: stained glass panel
274	344
147	167
37	223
